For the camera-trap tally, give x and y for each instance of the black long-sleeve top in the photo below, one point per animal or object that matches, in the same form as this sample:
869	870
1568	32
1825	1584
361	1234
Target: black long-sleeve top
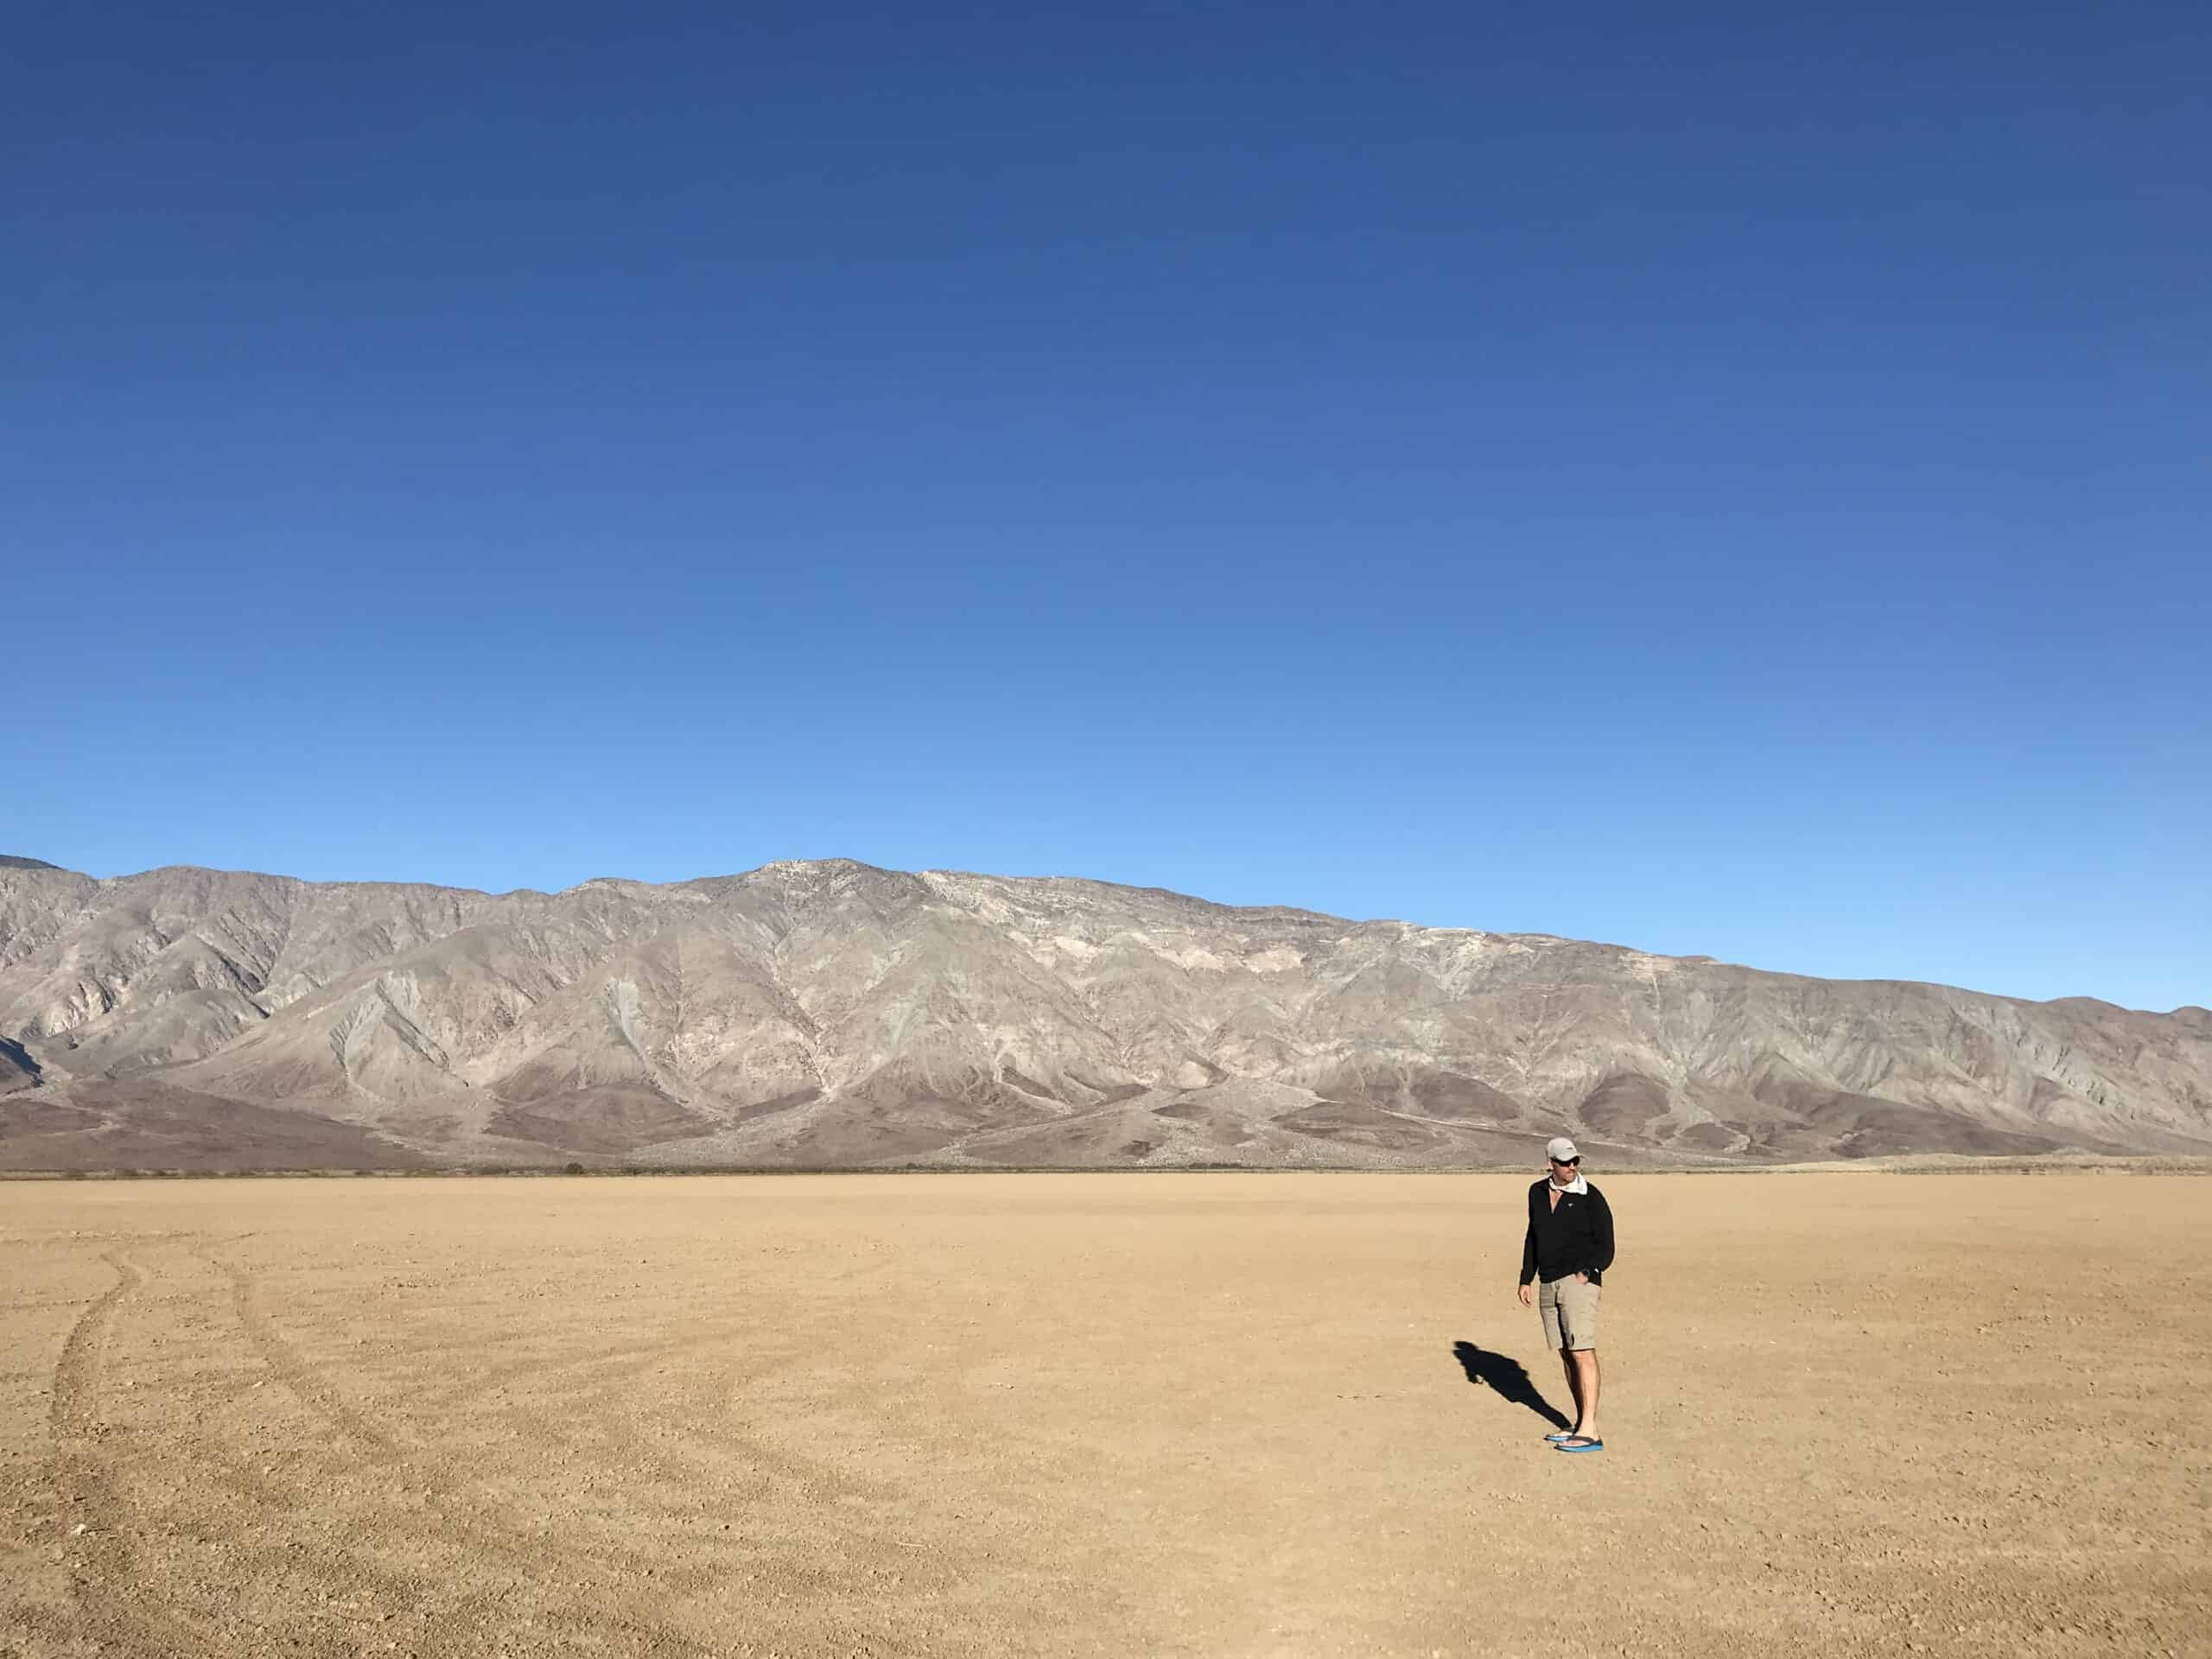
1574	1236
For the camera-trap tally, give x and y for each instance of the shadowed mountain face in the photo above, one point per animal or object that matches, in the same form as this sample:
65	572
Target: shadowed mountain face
835	1014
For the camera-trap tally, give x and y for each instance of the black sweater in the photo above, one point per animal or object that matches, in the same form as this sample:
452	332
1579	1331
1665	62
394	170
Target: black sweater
1576	1236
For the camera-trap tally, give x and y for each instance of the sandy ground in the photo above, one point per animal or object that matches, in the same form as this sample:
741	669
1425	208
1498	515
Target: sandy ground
1121	1415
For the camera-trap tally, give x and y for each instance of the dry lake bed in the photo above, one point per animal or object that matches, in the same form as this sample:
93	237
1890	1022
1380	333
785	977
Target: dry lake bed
1854	1412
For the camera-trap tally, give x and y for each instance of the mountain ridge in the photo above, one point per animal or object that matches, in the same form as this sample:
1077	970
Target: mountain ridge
833	1013
13	861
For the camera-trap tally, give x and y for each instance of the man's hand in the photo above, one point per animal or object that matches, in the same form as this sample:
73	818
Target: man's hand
1528	1295
1581	1278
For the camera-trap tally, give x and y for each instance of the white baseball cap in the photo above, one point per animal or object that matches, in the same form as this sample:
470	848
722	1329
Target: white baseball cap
1560	1150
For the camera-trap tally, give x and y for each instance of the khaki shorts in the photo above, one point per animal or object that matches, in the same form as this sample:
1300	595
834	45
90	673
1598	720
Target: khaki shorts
1570	1313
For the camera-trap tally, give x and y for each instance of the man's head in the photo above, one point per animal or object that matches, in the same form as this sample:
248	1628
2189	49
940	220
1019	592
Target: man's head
1564	1158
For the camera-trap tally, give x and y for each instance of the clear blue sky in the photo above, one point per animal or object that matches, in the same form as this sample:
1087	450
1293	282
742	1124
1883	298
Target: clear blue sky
1714	478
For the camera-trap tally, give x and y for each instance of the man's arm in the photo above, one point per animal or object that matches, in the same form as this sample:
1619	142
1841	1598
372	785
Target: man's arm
1528	1247
1601	1234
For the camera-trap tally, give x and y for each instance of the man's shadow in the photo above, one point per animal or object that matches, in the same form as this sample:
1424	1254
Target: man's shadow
1508	1378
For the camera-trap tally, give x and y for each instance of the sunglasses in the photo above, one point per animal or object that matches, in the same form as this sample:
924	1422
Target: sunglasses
1567	1164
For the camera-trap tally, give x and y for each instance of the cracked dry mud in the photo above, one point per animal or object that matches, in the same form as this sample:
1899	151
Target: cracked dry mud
1240	1414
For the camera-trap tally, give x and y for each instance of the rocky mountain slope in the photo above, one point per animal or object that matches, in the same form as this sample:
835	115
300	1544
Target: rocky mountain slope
831	1014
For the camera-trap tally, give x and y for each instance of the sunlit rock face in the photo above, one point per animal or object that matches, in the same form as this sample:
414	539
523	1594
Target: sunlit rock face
834	1015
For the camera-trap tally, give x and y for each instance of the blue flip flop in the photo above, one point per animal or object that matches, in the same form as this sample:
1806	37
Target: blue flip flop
1562	1434
1578	1443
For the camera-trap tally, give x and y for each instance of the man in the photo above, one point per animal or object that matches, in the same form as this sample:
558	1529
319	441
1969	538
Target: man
1569	1246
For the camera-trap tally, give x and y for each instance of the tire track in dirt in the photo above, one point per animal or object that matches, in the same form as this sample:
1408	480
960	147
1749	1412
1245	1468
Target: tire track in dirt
710	1470
592	1412
596	1415
105	1582
302	1378
474	1624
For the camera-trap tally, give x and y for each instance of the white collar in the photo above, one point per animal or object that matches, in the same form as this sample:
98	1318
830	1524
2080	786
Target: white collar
1580	1184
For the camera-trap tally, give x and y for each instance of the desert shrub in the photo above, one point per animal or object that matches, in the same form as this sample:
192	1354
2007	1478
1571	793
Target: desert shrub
573	1169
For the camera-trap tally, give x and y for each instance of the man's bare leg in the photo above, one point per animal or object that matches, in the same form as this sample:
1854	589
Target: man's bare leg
1582	1366
1573	1385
